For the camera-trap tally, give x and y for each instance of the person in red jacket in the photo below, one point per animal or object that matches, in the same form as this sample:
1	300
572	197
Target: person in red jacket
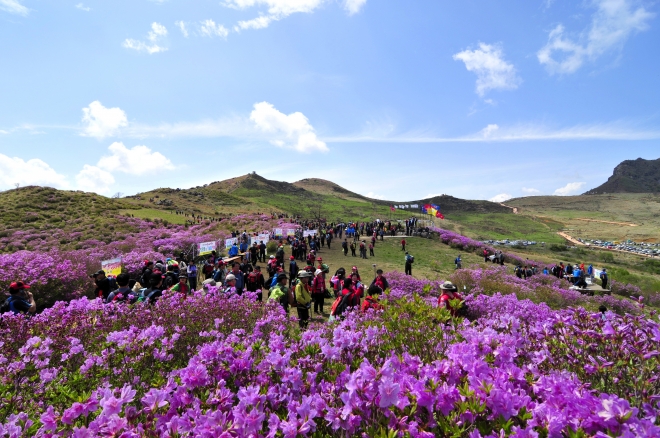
371	301
318	291
403	244
353	298
449	292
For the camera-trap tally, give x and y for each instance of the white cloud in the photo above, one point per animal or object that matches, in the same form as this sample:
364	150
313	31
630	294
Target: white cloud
157	33
501	197
530	190
138	160
279	9
13	7
523	132
373	195
569	189
353	6
182	27
255	23
101	121
611	25
492	71
31	172
94	179
290	131
210	29
82	7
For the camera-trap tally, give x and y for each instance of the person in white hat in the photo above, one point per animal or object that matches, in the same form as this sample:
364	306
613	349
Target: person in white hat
230	284
318	291
303	298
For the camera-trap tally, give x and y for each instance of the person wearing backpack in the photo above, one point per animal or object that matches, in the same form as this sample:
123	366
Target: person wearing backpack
604	279
281	293
344	247
353	248
293	269
146	272
103	284
380	281
458	262
20	300
262	252
208	269
171	278
409	262
303	298
155	289
448	293
239	278
123	293
318	291
337	281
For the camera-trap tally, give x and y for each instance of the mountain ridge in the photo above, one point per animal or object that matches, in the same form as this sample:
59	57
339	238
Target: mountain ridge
632	176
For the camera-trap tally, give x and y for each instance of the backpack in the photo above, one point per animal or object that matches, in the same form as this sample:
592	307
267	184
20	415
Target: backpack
325	268
5	307
252	278
410	259
113	283
208	269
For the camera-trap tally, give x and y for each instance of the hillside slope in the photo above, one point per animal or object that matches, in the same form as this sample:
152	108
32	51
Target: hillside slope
632	176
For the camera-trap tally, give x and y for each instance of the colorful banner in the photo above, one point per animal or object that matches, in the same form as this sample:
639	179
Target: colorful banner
112	267
290	233
207	248
278	232
309	233
230	242
260	238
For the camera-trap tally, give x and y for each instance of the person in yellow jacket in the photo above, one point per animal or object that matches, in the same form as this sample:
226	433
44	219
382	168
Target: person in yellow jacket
280	292
303	298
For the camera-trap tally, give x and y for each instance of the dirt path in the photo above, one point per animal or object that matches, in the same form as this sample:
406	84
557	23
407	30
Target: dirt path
627	224
570	239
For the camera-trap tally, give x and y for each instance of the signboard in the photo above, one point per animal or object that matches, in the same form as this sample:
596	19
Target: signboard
309	233
230	242
260	238
278	232
291	233
112	267
206	248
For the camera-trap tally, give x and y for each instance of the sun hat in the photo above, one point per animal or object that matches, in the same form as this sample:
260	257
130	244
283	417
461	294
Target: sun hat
449	286
304	274
271	257
292	258
318	272
320	259
230	277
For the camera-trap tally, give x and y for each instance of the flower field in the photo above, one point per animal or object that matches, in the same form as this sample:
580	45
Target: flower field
228	366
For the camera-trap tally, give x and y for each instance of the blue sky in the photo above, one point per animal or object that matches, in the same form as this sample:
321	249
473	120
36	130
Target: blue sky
396	100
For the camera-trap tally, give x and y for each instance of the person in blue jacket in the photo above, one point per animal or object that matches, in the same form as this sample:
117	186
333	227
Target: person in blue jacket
233	251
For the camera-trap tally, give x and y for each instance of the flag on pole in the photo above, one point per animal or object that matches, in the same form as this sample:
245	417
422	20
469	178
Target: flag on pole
392	208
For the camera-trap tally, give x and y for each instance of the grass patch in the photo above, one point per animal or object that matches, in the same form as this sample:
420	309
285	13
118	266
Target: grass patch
152	213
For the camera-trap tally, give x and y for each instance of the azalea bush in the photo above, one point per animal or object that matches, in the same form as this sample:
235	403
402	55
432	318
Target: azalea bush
223	365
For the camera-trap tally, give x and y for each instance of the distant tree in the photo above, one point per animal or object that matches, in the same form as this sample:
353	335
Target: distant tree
17	185
118	195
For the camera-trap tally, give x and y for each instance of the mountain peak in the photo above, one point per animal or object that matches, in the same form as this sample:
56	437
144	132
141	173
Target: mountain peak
632	176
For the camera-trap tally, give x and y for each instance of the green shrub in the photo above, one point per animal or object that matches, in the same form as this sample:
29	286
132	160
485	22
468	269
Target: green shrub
558	248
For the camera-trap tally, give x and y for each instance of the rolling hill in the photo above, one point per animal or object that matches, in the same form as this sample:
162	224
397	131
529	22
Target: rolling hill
632	176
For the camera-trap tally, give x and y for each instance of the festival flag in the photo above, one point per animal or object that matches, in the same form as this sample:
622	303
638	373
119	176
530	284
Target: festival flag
392	208
439	215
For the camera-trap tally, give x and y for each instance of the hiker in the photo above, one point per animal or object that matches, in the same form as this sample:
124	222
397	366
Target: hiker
233	251
239	278
363	250
280	292
192	276
371	250
155	289
103	284
344	247
409	262
603	278
353	248
318	291
448	292
486	256
590	272
403	245
337	281
256	282
219	273
358	287
262	251
303	298
20	299
371	301
146	272
171	277
230	284
182	286
208	268
380	281
352	294
124	292
254	253
458	262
